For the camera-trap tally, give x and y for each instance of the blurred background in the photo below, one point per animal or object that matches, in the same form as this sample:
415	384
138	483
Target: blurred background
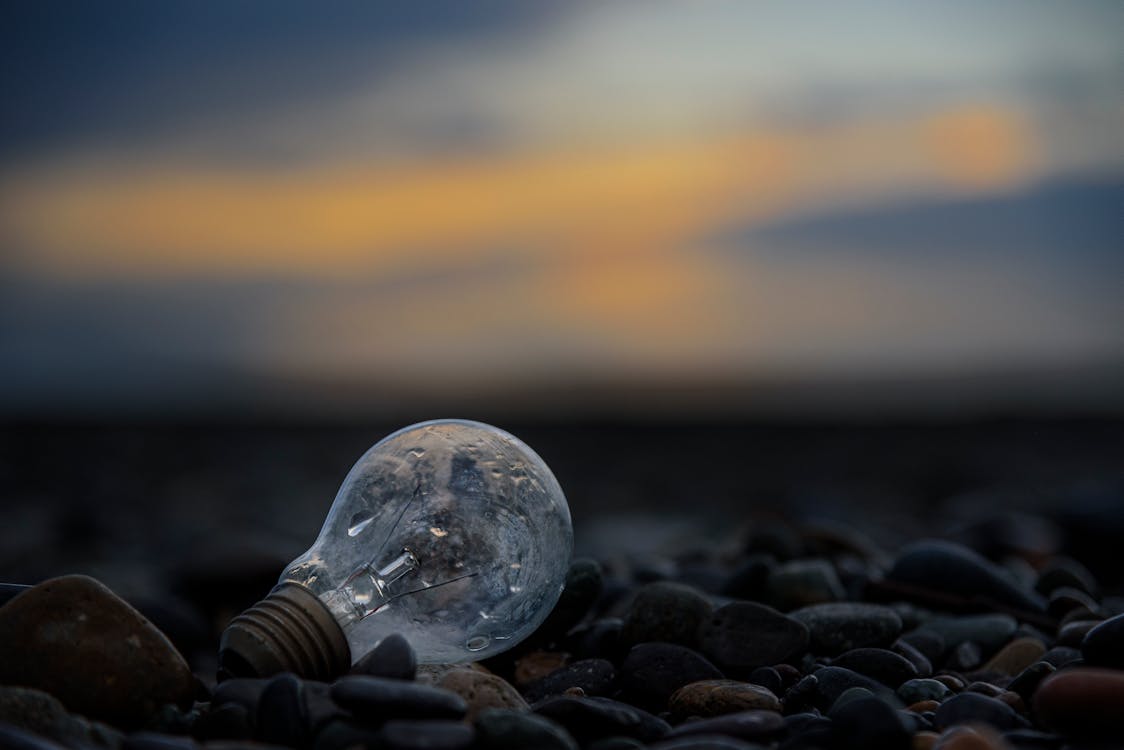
858	262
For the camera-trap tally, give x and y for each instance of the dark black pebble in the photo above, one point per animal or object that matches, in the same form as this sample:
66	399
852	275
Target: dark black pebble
930	644
588	719
803	695
226	721
990	631
967	708
808	730
599	639
319	706
767	677
885	666
593	676
393	658
1068	601
653	671
745	725
964	657
842	626
868	722
433	734
506	729
1103	646
341	734
158	741
1065	571
832	682
911	654
14	738
1061	656
246	692
1027	681
615	743
705	742
798	583
741	636
956	569
584	584
282	713
666	612
1030	739
750	579
377	699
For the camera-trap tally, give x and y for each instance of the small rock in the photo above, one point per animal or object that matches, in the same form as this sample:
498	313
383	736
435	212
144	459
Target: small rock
930	644
584	583
716	697
842	626
750	579
915	691
1103	646
534	666
832	682
745	725
921	707
1067	601
808	730
767	677
803	695
704	742
346	734
245	692
14	738
393	658
800	583
432	734
971	738
742	636
989	631
504	729
877	663
653	671
1083	701
376	699
1060	656
919	661
588	719
227	721
1073	633
1016	656
481	690
1064	571
599	639
1027	681
35	711
965	657
666	612
77	640
282	714
867	722
592	676
971	708
956	569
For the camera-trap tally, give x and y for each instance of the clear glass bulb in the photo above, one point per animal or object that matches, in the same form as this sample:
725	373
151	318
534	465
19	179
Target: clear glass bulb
451	532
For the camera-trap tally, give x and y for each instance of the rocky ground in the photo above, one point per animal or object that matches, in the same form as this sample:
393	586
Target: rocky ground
826	626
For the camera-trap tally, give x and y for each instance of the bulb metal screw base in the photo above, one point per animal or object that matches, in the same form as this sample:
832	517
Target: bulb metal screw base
289	631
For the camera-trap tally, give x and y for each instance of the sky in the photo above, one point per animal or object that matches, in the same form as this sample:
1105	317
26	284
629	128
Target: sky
656	206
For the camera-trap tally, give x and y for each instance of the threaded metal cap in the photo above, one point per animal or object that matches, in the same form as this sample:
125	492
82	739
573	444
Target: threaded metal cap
289	631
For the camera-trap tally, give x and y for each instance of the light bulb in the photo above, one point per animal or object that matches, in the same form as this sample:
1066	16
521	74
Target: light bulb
451	532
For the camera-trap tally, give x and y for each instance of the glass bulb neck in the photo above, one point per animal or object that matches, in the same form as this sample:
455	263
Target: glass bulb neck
369	589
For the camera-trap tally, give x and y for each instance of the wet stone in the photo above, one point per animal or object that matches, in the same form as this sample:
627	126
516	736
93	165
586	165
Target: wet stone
716	697
503	729
972	708
867	722
915	691
879	664
1016	656
653	671
377	699
1085	701
393	658
666	612
1103	646
282	716
77	640
842	626
755	725
405	734
741	636
800	583
593	676
588	719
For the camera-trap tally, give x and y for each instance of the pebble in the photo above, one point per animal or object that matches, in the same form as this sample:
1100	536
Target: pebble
971	738
1027	681
930	644
750	579
799	583
745	725
1016	656
584	584
867	722
1065	571
923	689
375	699
244	691
1103	646
919	661
1060	656
653	671
666	612
1082	701
704	742
1073	633
504	729
158	741
80	642
967	708
965	657
344	734
534	666
767	677
599	639
405	734
880	664
832	682
1067	601
716	697
282	712
615	743
226	721
842	626
741	636
955	569
593	676
587	719
481	690
393	658
35	711
14	738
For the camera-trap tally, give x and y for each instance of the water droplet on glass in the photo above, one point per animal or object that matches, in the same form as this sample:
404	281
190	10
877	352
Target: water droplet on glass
417	452
477	643
359	522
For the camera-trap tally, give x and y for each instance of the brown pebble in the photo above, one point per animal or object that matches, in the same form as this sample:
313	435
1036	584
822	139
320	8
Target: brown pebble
1014	700
1016	656
976	737
481	691
574	691
924	740
1083	700
717	697
955	684
984	688
922	706
538	664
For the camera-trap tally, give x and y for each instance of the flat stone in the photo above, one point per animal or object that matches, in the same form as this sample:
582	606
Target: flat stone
923	689
653	671
842	626
481	690
799	583
741	636
665	612
1082	701
588	719
1016	656
973	708
378	699
393	658
746	725
439	734
877	663
716	697
956	569
504	729
1103	646
80	642
593	676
